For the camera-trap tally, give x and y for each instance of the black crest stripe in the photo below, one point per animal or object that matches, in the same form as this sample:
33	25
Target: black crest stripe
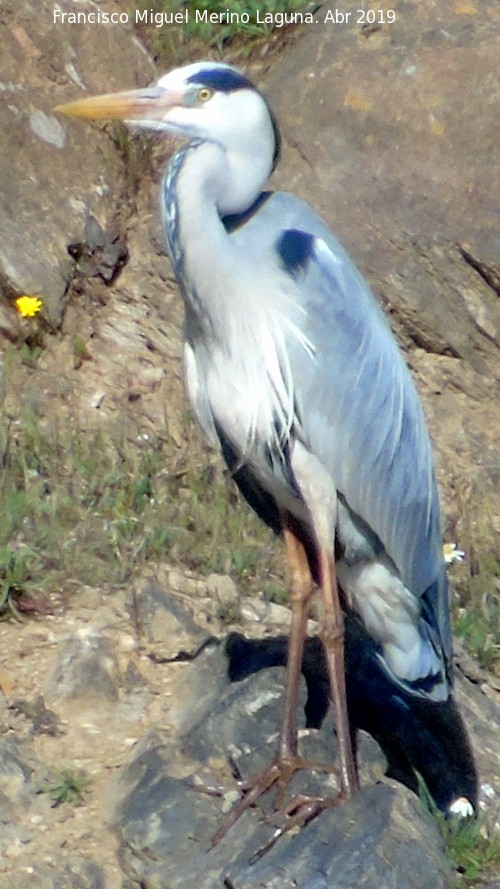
226	80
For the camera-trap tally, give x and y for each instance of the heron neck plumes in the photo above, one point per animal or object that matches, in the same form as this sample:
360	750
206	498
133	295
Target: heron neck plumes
203	183
223	309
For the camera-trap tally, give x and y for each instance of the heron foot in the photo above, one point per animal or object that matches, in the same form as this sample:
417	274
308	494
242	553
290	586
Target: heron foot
297	812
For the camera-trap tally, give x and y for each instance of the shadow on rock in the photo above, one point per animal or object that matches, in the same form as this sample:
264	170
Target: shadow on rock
383	837
418	737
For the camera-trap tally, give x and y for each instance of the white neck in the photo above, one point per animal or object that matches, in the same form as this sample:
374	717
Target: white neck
213	183
229	180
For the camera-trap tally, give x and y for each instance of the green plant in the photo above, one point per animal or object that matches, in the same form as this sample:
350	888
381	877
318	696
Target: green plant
67	787
479	626
80	352
248	22
16	571
238	26
95	506
276	592
135	149
473	848
472	844
477	611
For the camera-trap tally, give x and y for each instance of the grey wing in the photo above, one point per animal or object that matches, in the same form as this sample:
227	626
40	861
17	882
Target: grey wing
361	416
355	410
358	410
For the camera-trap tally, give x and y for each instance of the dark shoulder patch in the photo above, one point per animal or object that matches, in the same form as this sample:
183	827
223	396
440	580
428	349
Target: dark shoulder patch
226	80
295	249
236	220
277	136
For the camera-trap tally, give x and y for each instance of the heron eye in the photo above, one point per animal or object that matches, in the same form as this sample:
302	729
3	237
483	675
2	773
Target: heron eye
204	94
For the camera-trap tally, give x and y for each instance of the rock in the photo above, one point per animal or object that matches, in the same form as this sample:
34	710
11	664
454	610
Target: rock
22	774
52	173
244	724
165	828
100	255
163	819
87	669
174	821
376	145
171	636
20	770
164	622
482	718
43	721
202	683
418	743
225	591
259	611
381	838
80	873
89	597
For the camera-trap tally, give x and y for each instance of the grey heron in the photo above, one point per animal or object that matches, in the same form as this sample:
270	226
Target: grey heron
293	372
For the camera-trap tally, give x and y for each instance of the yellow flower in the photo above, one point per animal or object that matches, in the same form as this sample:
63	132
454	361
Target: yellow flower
28	306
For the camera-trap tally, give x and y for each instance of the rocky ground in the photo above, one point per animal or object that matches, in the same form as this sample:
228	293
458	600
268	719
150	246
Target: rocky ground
128	689
115	684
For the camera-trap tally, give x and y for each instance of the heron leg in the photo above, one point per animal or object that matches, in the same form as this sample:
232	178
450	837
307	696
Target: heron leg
332	636
319	492
302	809
287	761
301	592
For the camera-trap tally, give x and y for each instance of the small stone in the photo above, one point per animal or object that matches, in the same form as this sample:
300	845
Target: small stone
87	668
151	376
90	597
165	621
224	589
203	682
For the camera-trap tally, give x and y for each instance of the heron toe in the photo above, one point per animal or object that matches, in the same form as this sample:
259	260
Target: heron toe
298	810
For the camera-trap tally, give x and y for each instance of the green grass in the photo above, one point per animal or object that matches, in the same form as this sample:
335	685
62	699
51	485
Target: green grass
135	150
472	844
221	34
16	570
94	507
479	627
477	613
175	44
474	850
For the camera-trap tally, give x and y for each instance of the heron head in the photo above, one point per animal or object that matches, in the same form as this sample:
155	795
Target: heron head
206	100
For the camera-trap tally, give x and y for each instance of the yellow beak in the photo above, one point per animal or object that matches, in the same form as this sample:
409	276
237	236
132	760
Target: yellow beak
151	103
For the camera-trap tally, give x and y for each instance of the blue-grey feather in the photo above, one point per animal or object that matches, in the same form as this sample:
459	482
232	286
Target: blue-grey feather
358	411
361	418
169	206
